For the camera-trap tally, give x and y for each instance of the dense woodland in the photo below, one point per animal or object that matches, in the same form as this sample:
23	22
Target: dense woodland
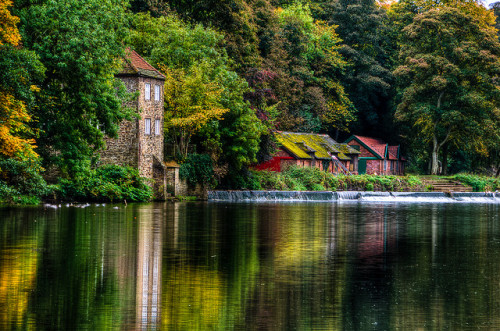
421	73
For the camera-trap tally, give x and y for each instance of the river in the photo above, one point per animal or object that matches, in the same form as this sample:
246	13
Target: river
251	266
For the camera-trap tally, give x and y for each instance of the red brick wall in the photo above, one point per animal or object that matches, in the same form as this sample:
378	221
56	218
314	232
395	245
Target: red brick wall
374	167
364	152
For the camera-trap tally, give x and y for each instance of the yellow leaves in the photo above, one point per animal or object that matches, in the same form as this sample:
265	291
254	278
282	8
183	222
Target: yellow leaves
191	99
9	34
425	124
13	119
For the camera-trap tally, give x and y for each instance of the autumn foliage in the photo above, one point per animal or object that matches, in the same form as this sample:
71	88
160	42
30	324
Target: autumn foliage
14	117
9	34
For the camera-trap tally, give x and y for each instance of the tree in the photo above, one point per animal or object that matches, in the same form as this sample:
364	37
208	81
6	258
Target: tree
9	34
80	44
364	30
496	10
234	18
191	101
306	68
204	100
19	69
448	80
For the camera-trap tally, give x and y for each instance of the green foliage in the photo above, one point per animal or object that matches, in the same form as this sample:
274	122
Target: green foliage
106	183
479	183
21	182
368	48
312	179
198	169
196	52
449	65
80	43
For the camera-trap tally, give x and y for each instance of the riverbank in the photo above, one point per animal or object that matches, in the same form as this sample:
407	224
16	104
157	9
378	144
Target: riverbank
118	184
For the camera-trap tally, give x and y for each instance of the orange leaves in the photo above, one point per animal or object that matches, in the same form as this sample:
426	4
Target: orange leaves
13	119
9	34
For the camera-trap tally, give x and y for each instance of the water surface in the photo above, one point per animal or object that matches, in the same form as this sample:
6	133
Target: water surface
267	266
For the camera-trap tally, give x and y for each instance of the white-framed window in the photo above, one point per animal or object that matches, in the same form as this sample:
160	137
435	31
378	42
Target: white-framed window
157	127
157	92
147	126
147	91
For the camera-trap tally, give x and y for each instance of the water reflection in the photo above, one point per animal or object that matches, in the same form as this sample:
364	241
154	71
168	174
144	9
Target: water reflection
199	266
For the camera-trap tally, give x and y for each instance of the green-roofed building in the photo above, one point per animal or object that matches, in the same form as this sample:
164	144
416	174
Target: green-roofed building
312	150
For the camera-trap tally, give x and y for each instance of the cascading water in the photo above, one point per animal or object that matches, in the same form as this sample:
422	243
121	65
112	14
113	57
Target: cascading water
239	196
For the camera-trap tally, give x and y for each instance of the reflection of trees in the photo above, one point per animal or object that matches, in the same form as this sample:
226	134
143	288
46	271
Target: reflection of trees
85	269
17	276
450	281
210	270
19	252
302	273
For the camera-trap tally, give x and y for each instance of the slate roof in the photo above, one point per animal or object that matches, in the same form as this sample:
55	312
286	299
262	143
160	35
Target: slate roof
135	65
305	145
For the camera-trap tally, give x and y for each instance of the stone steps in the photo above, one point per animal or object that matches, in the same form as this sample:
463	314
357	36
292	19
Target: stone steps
446	185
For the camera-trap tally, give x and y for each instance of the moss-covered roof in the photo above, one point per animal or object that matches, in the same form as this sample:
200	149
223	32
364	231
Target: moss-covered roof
304	145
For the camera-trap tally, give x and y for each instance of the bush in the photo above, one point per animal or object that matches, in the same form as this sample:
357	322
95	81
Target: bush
198	169
21	182
479	183
303	179
106	183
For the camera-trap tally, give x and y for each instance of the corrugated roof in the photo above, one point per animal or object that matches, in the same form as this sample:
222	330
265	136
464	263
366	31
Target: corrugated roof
134	64
304	145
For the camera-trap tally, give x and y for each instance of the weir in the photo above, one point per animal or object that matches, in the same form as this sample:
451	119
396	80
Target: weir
242	196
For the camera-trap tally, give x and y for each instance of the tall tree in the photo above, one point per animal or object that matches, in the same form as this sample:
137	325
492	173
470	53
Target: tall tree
496	10
448	79
235	18
363	27
80	44
19	70
301	73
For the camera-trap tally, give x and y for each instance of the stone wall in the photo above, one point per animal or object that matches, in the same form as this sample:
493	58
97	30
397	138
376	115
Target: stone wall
123	150
133	146
150	145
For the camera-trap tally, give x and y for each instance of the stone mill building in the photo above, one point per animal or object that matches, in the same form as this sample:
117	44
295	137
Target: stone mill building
140	142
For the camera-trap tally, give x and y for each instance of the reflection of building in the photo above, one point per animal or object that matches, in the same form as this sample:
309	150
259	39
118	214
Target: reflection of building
149	266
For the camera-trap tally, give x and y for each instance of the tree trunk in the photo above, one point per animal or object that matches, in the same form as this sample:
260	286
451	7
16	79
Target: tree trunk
445	159
434	159
436	146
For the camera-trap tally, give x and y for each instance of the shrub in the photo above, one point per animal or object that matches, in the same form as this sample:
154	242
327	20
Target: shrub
301	179
106	183
198	169
479	183
21	182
